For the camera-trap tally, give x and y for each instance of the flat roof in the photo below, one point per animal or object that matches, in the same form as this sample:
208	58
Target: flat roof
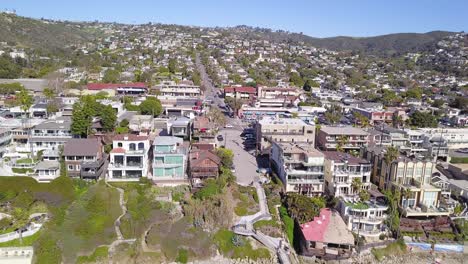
342	157
346	130
282	121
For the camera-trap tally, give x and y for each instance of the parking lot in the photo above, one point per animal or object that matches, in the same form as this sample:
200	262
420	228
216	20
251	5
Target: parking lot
245	163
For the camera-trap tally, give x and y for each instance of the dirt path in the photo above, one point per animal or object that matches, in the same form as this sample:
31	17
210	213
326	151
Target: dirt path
120	239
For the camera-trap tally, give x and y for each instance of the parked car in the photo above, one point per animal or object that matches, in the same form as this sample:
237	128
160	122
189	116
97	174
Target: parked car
220	138
228	126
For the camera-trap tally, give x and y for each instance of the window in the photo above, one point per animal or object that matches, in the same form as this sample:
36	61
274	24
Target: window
132	146
419	171
78	167
141	146
119	144
409	172
401	172
71	167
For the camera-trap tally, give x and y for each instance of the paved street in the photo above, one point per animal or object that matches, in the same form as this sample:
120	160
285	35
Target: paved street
245	163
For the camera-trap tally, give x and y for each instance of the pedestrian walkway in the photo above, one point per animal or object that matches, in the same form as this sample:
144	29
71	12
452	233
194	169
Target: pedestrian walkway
245	227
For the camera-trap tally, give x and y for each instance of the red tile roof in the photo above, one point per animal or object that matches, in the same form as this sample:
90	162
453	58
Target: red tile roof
130	137
101	86
118	150
246	89
316	229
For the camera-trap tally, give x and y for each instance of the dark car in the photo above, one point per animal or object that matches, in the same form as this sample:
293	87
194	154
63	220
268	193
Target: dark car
220	138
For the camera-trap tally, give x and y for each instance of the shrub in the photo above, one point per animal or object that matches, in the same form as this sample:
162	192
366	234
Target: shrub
182	256
288	223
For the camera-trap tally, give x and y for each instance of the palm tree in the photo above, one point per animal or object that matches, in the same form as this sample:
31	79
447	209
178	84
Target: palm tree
390	155
49	93
406	193
342	141
356	185
25	101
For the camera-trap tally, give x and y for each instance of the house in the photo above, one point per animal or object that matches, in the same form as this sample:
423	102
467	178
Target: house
292	130
365	218
347	138
46	171
128	158
204	164
204	130
245	93
85	158
5	140
141	123
180	127
121	88
341	169
326	237
299	166
50	134
173	90
411	176
169	160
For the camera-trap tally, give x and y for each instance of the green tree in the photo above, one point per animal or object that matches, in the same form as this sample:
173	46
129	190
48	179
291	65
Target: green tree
226	156
217	116
342	142
172	65
49	93
308	84
25	101
356	185
8	68
151	106
81	123
111	76
108	118
296	79
101	95
415	93
421	119
304	208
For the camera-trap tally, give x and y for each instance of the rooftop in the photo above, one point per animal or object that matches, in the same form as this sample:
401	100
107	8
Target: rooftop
347	130
300	148
167	140
328	227
282	121
129	137
341	157
48	165
81	147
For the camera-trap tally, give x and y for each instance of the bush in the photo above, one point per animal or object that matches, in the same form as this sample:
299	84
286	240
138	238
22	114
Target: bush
100	254
288	223
210	189
241	210
396	248
382	236
182	256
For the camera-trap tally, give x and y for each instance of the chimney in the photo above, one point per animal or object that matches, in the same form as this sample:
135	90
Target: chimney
126	138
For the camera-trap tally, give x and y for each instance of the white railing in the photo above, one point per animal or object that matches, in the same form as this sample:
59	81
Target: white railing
15	235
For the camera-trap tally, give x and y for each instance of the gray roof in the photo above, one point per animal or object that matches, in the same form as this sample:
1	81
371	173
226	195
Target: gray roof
54	124
167	140
47	165
81	147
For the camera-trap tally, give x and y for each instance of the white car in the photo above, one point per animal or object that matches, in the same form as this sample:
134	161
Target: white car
228	126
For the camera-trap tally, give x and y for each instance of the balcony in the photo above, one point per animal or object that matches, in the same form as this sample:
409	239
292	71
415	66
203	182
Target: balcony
51	135
305	181
285	133
135	151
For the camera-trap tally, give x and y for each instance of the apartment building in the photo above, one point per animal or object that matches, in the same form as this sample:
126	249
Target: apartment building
169	159
50	134
240	92
412	177
173	90
5	140
299	166
341	169
272	129
365	218
128	158
347	138
455	137
84	158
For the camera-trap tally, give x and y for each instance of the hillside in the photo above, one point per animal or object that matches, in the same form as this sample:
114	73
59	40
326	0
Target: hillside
48	36
379	45
385	44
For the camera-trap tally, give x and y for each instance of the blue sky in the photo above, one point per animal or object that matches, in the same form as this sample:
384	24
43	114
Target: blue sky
315	18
